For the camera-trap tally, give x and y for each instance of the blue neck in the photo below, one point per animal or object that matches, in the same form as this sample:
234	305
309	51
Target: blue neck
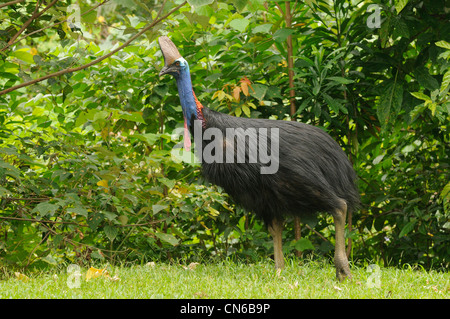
186	95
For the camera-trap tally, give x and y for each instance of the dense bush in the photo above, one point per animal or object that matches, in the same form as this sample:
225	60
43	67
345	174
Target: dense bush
88	161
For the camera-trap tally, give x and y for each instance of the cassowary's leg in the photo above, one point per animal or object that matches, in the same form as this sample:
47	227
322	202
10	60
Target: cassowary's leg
340	256
276	230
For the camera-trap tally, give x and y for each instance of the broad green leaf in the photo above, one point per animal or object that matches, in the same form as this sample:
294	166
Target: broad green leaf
407	228
168	182
340	79
24	55
400	4
303	244
425	79
390	102
110	231
149	138
262	28
259	91
157	208
46	208
240	4
50	260
281	34
239	24
168	238
421	96
78	210
445	81
10	170
133	116
246	110
443	44
199	3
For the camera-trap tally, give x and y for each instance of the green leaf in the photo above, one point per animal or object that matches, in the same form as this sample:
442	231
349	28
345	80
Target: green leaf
133	116
170	183
24	55
199	3
168	238
239	24
10	170
390	102
157	208
340	79
263	28
425	79
50	260
445	81
246	110
407	228
259	91
421	96
400	4
240	4
303	244
45	208
111	232
281	34
78	210
443	44
149	138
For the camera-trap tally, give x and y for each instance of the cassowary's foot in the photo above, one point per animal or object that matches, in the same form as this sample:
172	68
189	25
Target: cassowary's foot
276	230
342	268
340	255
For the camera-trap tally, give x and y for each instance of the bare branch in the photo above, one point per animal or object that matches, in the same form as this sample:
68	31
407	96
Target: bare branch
69	70
10	3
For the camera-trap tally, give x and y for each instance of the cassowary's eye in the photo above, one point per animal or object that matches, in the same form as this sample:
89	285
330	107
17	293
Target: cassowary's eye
177	63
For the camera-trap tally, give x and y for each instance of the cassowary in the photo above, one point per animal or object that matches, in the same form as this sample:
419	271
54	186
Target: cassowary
273	168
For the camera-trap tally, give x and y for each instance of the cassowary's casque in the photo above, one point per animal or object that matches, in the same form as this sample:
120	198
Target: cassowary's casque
306	170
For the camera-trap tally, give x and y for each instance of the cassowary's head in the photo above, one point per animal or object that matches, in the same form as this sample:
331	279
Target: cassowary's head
174	63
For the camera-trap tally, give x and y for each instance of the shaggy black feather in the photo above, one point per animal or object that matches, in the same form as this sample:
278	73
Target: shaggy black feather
314	173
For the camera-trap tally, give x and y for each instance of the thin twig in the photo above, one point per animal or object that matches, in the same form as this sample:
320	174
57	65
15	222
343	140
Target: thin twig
70	70
10	3
34	16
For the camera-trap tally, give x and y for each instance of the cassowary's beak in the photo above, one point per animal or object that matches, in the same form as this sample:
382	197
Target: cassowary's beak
164	70
170	54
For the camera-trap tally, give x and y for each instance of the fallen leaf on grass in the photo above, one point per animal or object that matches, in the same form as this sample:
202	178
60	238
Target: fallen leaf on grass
21	277
191	266
95	273
294	286
115	278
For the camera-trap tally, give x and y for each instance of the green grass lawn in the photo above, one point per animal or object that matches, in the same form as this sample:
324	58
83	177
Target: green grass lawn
229	280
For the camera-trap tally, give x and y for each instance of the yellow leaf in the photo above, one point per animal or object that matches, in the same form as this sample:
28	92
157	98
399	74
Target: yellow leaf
103	183
244	86
33	51
93	273
237	93
221	95
21	277
192	266
105	132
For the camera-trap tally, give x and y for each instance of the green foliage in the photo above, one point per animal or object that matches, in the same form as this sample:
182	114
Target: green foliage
87	168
